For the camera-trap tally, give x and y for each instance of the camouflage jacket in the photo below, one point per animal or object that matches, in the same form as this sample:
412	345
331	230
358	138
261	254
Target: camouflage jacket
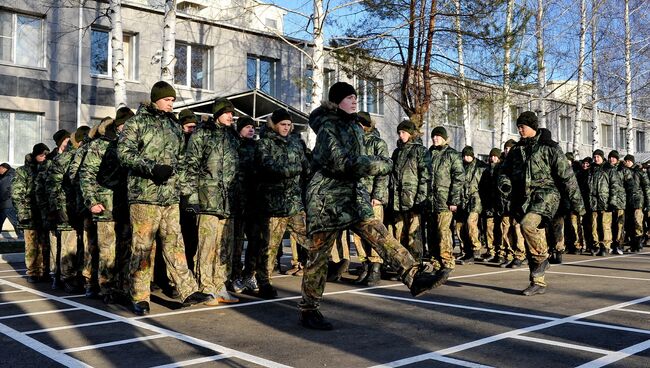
280	162
73	172
535	171
152	137
23	194
410	176
447	178
335	196
5	188
618	191
376	185
62	193
470	195
102	180
247	175
212	161
637	188
601	190
488	190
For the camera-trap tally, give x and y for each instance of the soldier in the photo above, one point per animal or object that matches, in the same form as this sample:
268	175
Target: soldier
103	186
377	186
282	167
408	187
602	185
637	189
467	215
447	179
618	202
489	197
23	195
190	231
213	169
513	240
336	201
535	172
150	146
7	210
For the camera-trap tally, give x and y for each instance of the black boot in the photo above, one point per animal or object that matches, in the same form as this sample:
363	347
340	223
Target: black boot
313	319
469	258
196	298
339	270
422	282
441	276
141	308
363	273
267	291
534	289
374	274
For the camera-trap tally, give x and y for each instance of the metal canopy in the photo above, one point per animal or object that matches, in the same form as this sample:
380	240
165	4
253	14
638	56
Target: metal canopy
253	103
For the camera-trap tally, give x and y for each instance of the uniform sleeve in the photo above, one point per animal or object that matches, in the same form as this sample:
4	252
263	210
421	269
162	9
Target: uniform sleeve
275	165
20	194
128	149
616	189
645	187
88	175
193	158
380	182
457	180
567	182
54	184
424	176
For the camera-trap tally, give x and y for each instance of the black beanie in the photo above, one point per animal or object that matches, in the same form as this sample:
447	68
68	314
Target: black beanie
407	126
600	153
221	106
569	156
244	121
279	115
122	115
495	152
587	159
59	136
509	143
440	131
468	151
628	158
529	119
160	90
339	91
39	148
615	154
186	116
364	119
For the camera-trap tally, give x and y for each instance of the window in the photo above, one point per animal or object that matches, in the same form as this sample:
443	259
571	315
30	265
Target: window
621	141
453	109
370	96
101	54
192	66
271	23
21	39
607	135
485	115
515	111
640	141
19	132
587	133
565	129
328	80
261	74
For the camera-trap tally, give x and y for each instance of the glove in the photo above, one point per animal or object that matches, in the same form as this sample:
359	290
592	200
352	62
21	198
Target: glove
161	173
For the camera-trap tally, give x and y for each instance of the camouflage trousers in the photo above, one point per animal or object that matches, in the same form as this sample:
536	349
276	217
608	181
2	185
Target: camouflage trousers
601	229
90	266
36	252
113	244
252	230
492	235
467	232
408	230
634	218
575	235
555	237
272	232
618	228
214	252
64	258
513	239
149	221
371	231
341	248
536	247
441	244
363	248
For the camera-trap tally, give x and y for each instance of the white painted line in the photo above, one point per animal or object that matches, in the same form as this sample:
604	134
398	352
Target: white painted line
11	291
189	339
509	334
634	258
612	327
601	276
24	301
563	344
73	296
41	348
194	361
113	343
616	356
69	327
13	277
634	311
458	362
15	270
38	313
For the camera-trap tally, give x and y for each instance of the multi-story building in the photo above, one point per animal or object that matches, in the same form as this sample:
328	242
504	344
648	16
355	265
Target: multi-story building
56	73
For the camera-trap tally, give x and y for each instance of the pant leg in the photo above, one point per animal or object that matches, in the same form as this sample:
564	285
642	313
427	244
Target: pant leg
606	224
272	233
492	236
507	250
443	242
107	243
90	264
471	232
518	241
618	230
371	253
209	269
253	240
535	240
238	247
69	264
33	253
145	221
558	234
315	272
55	252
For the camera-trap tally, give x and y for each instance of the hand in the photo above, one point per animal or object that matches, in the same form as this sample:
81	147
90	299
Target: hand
161	173
97	209
375	202
453	208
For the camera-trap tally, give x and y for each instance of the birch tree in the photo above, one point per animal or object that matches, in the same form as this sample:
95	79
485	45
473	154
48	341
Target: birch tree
541	66
577	124
168	59
595	112
629	136
505	93
467	127
117	44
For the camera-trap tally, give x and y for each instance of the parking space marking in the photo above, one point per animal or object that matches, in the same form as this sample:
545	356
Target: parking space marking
113	343
612	327
634	311
67	327
11	291
616	356
563	344
23	301
600	276
14	270
39	313
185	363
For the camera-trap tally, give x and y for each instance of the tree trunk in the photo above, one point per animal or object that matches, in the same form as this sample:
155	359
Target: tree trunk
628	82
577	124
117	43
464	100
169	42
505	98
594	79
318	75
541	67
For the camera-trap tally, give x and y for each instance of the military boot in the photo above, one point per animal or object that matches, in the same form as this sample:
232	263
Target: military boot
312	318
489	257
555	257
515	263
603	252
338	270
196	298
267	291
141	308
363	274
534	289
374	274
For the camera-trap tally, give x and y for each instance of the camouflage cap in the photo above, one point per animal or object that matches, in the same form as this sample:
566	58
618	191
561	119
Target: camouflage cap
222	105
186	116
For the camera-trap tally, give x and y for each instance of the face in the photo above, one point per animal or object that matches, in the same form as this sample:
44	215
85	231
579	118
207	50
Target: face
404	136
189	128
41	158
525	131
283	128
65	142
586	165
438	140
613	160
119	128
247	132
494	159
598	159
506	150
628	163
3	170
468	159
165	104
349	104
225	119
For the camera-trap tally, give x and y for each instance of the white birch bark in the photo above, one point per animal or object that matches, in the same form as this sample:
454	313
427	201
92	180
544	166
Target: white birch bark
464	98
117	44
168	59
541	66
628	82
505	97
577	124
595	112
318	62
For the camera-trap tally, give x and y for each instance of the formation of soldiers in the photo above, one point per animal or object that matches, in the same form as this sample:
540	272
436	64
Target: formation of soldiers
97	207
